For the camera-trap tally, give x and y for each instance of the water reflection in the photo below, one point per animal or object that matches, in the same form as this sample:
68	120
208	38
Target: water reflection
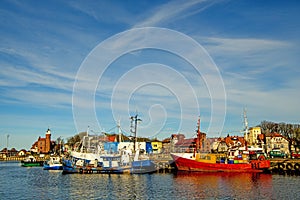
35	183
224	185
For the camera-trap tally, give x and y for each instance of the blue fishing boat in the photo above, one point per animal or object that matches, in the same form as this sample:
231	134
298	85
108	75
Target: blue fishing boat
108	164
142	167
142	164
54	163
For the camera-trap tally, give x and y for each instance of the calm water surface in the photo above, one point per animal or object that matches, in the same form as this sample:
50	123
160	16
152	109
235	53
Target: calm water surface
17	182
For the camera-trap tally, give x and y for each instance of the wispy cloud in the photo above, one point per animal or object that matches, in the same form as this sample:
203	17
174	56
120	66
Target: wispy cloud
252	70
172	11
246	51
43	45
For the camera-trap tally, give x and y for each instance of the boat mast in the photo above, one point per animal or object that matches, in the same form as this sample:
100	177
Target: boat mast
119	130
198	142
133	128
7	137
246	125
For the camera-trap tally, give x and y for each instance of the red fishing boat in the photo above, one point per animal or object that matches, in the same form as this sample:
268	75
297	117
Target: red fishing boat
209	163
235	160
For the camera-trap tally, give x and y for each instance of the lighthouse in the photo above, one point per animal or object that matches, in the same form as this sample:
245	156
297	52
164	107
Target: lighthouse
48	140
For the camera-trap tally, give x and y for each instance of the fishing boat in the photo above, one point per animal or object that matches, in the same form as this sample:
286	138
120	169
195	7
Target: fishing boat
104	157
142	167
141	164
95	157
31	161
54	163
235	160
215	163
108	164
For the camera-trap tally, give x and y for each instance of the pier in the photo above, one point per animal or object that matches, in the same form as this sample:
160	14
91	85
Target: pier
165	164
12	158
285	166
20	158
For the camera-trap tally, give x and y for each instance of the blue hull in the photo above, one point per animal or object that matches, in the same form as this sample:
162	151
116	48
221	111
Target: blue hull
53	167
75	170
137	167
142	167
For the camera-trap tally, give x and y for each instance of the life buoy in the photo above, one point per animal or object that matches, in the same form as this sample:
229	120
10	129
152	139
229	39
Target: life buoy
261	158
297	167
280	166
289	166
160	165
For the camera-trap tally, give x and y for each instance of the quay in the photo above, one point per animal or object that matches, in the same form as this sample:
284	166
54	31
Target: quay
12	158
285	166
165	164
19	158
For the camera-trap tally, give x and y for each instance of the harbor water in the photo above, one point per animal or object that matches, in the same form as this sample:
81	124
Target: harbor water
18	182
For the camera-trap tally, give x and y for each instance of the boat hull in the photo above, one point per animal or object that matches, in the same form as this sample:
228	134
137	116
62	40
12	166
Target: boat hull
69	167
32	164
142	167
52	167
186	164
98	170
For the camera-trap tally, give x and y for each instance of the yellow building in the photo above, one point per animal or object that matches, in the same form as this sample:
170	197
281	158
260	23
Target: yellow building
252	137
156	146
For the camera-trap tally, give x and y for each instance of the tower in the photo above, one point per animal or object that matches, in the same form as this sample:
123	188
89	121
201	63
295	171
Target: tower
48	140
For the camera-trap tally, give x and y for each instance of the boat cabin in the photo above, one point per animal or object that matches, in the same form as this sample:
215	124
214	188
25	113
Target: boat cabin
210	158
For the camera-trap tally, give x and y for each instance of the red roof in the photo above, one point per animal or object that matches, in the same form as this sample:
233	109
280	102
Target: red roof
111	138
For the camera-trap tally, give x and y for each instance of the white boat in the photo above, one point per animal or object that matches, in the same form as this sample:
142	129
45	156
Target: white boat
54	163
104	157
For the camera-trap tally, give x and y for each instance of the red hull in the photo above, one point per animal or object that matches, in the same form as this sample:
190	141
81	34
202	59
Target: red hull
185	164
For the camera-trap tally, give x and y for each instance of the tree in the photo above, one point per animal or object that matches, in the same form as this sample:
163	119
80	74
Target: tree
290	131
73	140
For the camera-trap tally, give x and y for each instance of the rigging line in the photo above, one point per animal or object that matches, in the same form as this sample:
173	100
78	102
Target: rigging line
101	132
111	129
123	131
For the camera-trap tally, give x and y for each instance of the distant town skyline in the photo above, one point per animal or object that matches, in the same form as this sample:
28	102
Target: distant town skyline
51	77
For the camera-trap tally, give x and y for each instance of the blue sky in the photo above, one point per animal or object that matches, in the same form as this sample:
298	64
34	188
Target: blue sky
251	49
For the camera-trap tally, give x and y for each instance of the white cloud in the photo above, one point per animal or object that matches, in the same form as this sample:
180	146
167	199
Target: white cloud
173	10
262	54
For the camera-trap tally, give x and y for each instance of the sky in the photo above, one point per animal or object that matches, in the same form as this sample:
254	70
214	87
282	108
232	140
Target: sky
73	66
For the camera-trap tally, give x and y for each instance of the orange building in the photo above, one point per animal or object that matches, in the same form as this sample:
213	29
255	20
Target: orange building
43	145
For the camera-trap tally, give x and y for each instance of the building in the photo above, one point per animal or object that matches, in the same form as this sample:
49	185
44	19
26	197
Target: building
185	145
174	139
276	141
253	136
43	145
166	145
22	152
156	146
